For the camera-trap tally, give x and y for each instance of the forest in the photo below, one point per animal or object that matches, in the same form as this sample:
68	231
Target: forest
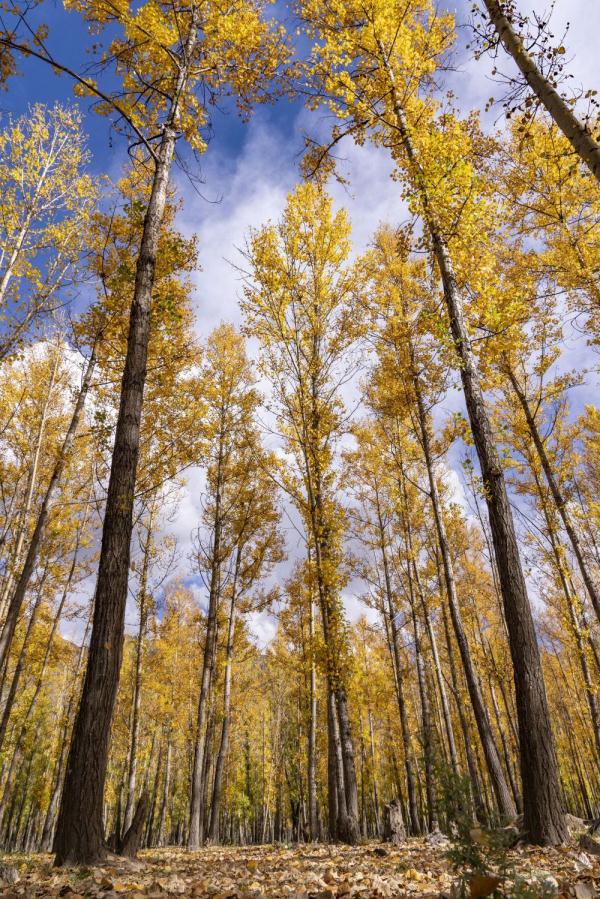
300	590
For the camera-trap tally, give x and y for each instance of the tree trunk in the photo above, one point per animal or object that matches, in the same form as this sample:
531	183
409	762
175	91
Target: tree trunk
351	831
137	685
479	807
16	600
80	831
394	830
131	842
50	642
439	676
544	819
213	830
160	840
15	562
576	133
415	825
570	600
197	785
506	805
374	769
426	729
313	823
557	496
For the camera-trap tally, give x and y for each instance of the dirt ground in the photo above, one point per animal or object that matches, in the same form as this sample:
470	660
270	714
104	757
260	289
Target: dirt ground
301	872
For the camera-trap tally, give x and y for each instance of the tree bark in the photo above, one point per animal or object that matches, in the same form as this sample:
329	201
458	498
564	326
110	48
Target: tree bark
576	133
506	805
557	496
160	839
137	685
426	729
196	804
80	831
213	830
415	825
313	823
544	819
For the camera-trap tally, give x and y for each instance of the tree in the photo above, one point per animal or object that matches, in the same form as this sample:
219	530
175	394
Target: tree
299	303
403	45
503	17
240	541
406	383
47	203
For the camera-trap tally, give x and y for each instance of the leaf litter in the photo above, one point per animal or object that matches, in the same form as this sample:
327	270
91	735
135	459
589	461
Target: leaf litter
370	871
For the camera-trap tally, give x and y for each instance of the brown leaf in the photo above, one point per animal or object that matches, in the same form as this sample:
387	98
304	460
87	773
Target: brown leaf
481	885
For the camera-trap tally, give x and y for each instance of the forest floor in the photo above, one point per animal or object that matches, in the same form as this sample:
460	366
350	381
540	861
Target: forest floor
415	869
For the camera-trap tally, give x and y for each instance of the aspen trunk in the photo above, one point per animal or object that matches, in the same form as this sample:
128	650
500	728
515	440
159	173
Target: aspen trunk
562	113
439	676
49	643
80	831
313	823
160	839
17	554
506	805
479	808
14	684
137	684
570	600
338	770
426	729
16	600
197	786
409	763
555	491
375	784
63	744
213	830
544	819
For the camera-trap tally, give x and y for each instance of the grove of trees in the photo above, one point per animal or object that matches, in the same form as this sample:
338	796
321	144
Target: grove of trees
397	429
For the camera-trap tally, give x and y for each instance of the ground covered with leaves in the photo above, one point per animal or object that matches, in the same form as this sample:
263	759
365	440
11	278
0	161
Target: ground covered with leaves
417	868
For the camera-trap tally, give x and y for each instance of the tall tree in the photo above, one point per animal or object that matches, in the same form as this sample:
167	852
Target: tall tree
506	20
299	304
404	44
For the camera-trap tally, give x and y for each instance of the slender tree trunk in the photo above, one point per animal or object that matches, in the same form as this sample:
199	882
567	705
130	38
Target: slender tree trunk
427	736
562	113
332	771
555	491
49	644
338	768
213	830
439	676
479	807
197	786
313	823
137	684
544	820
80	831
15	562
16	600
571	601
375	784
409	762
160	839
506	805
14	684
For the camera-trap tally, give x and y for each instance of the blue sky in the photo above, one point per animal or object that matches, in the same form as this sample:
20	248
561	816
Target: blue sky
248	170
